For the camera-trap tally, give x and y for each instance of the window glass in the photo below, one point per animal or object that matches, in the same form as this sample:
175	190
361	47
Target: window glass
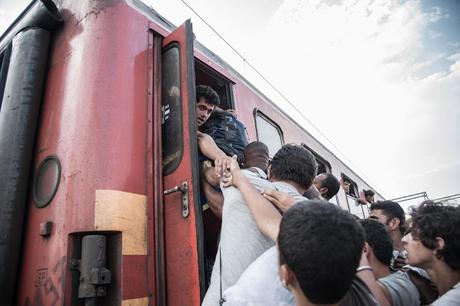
171	107
269	133
323	164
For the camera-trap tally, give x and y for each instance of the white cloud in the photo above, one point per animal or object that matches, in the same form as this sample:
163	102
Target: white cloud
434	35
437	14
353	68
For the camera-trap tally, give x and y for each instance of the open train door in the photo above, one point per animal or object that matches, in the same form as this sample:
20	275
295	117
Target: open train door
183	228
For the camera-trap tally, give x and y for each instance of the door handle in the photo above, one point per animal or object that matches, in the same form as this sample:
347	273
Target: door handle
183	189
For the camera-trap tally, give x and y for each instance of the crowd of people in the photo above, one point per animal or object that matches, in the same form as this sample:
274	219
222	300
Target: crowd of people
282	243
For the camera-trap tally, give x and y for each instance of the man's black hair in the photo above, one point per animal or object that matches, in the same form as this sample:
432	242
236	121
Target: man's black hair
432	220
379	240
332	184
294	163
391	210
369	193
322	245
209	94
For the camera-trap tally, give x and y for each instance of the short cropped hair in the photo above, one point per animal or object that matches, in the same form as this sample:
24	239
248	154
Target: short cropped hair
433	220
391	210
379	240
209	94
369	193
322	245
332	184
256	154
294	163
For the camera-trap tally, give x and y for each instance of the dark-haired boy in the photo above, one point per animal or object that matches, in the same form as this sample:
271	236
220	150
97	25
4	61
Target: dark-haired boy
395	289
433	244
391	215
292	170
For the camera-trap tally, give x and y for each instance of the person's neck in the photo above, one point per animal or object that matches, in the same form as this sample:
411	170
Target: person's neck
397	240
379	269
443	276
301	300
298	187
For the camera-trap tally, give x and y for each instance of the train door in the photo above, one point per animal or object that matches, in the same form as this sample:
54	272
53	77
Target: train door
182	223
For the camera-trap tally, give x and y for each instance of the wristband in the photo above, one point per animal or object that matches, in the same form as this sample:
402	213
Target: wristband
363	268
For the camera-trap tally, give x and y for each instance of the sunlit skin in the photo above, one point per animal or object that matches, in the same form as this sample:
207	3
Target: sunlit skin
418	255
377	214
203	111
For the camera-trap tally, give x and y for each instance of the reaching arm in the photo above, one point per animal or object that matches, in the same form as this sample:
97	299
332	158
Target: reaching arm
265	214
208	147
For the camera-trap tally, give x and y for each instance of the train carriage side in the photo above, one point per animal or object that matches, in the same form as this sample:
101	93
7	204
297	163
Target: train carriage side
112	213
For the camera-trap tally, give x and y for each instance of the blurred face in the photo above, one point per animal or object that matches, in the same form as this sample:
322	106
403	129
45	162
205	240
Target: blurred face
318	181
418	255
346	187
203	111
377	214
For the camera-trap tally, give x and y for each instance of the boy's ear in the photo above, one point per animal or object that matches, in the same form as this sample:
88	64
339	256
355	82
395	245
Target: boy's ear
394	224
287	276
439	244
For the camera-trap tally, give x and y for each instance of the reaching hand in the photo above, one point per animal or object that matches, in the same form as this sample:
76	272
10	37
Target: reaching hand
280	199
226	167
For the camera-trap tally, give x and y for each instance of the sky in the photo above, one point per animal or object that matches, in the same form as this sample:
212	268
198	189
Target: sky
379	78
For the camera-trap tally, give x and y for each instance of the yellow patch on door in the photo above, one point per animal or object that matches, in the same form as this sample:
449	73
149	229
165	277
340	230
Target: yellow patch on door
125	212
136	302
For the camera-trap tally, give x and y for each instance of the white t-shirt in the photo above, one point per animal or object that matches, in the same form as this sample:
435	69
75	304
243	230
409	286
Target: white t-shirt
450	298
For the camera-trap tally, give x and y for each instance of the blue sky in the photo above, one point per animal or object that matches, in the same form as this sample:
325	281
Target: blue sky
380	78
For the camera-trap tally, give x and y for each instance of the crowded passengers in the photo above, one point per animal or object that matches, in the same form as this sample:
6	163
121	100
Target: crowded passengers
282	242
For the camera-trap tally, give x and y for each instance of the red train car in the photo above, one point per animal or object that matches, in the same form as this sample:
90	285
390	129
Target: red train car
99	181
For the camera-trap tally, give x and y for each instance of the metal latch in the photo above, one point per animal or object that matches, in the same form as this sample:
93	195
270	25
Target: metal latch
183	188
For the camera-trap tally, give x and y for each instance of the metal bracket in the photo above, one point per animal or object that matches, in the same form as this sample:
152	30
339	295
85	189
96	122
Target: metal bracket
183	188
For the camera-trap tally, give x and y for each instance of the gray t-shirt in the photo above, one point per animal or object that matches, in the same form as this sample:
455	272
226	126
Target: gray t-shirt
402	290
241	241
450	298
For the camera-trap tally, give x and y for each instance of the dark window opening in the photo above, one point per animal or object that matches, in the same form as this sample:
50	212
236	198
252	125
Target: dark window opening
204	75
350	187
323	165
4	65
171	107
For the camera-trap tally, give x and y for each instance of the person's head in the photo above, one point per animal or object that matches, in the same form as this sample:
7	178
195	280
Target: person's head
390	214
256	155
434	234
320	247
294	163
379	240
369	196
346	186
327	184
206	100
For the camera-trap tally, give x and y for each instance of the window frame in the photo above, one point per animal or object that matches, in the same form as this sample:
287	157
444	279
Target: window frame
319	158
263	116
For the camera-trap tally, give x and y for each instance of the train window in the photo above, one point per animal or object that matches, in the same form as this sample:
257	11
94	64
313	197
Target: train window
350	187
171	107
204	75
269	133
323	165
